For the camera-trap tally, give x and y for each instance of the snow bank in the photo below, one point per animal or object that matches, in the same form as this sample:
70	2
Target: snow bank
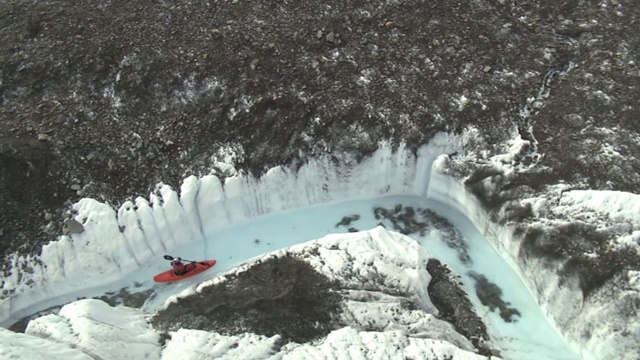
19	346
605	209
379	345
195	344
379	257
99	330
345	343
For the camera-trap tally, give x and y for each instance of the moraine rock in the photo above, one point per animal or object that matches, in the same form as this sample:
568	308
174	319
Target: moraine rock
72	226
331	37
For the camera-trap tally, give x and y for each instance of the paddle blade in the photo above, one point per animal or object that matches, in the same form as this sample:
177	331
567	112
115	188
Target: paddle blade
168	257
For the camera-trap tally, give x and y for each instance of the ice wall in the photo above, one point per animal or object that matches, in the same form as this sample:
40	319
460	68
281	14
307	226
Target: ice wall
595	327
117	242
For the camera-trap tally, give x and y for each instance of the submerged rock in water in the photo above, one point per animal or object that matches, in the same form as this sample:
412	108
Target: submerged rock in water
454	305
491	296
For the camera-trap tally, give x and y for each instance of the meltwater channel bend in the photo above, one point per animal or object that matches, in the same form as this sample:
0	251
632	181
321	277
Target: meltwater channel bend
242	218
528	336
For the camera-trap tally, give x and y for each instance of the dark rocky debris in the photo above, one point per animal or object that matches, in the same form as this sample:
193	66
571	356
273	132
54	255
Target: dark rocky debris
278	296
491	296
347	220
455	307
410	221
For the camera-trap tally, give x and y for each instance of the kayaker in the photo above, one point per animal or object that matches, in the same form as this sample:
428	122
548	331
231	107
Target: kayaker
178	267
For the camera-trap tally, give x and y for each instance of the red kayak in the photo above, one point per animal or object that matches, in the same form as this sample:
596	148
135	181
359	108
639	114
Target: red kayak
194	268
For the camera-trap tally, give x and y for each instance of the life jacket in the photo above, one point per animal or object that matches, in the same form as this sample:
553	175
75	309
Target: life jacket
178	267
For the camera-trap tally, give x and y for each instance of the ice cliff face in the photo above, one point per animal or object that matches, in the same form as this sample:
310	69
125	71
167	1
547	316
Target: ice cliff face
578	250
114	243
386	315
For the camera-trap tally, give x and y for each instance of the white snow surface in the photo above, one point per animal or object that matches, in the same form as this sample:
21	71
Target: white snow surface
15	346
210	218
99	330
345	343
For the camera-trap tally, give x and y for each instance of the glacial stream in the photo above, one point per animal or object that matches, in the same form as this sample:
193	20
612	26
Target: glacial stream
238	218
528	336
